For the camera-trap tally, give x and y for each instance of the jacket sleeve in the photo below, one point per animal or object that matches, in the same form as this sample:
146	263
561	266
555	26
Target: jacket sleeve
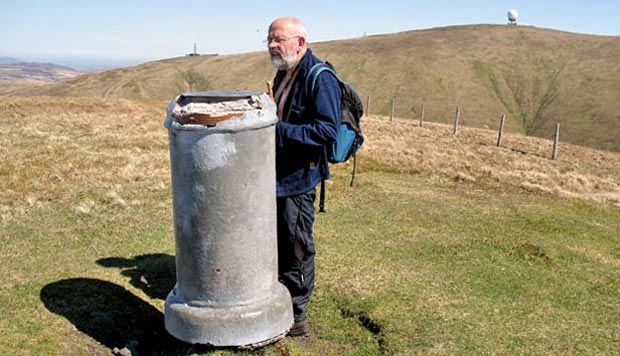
323	128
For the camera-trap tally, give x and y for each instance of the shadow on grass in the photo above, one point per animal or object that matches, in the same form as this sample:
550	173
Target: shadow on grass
115	317
111	315
153	273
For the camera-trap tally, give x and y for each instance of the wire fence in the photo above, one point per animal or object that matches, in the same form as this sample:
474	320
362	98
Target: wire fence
457	117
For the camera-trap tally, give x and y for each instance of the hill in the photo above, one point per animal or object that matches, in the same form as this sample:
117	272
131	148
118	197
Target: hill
36	72
537	77
9	60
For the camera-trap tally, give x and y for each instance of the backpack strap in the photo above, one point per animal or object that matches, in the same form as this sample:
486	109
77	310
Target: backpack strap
313	74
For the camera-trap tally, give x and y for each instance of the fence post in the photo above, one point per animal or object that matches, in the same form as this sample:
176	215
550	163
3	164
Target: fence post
456	120
392	110
422	116
555	141
501	129
368	105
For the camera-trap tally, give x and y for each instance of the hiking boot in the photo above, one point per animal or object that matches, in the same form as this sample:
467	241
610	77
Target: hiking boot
299	328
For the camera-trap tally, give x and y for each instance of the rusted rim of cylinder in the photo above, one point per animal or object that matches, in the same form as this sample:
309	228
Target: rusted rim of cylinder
220	111
206	119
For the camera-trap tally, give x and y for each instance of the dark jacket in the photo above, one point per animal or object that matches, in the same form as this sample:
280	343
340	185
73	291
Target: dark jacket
308	126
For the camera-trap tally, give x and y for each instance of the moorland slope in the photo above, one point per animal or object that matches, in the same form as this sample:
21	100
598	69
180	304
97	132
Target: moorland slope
398	145
537	77
35	72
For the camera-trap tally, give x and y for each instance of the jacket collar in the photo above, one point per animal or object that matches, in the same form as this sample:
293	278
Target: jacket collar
305	62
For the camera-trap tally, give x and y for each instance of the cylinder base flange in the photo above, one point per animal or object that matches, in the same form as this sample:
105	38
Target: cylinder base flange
240	326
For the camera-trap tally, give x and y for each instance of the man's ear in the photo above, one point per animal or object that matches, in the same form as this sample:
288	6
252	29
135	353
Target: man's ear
301	41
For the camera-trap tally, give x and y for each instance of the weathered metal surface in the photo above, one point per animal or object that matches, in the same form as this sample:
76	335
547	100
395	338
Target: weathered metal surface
223	182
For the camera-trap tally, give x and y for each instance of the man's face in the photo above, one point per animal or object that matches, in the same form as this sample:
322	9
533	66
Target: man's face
283	47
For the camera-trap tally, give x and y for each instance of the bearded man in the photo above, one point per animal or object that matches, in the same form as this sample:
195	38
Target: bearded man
306	126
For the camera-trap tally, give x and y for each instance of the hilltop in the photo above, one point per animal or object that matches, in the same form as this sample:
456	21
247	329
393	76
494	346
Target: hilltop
540	76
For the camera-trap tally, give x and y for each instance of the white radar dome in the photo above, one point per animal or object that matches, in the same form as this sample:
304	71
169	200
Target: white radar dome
513	15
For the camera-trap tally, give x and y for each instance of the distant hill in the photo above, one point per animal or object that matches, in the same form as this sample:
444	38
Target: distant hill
9	60
35	72
533	75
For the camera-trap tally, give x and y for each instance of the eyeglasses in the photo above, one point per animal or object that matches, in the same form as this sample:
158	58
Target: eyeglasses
278	40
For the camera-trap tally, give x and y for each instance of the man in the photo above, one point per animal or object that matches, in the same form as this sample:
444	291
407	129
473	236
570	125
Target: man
306	126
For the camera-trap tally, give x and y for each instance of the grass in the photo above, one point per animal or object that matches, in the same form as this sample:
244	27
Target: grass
402	146
449	268
408	262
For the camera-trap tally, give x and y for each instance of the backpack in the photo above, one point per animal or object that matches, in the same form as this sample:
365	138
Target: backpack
350	137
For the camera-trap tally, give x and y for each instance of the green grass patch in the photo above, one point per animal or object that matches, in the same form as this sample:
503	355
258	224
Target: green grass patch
450	268
404	266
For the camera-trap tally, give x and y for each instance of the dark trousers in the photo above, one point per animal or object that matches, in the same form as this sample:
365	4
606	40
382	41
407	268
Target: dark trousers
296	249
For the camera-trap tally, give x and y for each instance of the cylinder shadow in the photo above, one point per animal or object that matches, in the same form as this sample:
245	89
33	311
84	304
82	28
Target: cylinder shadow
110	314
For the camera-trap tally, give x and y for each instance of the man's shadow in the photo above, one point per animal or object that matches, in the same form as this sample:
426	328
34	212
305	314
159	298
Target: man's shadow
153	273
114	316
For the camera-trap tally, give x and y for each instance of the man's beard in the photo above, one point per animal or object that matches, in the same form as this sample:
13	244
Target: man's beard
281	61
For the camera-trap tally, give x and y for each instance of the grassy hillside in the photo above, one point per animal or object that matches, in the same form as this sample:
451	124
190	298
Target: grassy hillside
445	246
35	72
528	73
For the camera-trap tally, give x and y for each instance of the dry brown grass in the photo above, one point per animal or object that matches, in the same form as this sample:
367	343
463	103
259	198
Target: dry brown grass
11	87
472	155
52	146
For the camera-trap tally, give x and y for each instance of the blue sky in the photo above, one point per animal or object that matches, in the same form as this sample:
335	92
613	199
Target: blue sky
143	30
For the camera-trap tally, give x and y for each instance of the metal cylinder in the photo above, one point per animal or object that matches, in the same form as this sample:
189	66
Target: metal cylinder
222	159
